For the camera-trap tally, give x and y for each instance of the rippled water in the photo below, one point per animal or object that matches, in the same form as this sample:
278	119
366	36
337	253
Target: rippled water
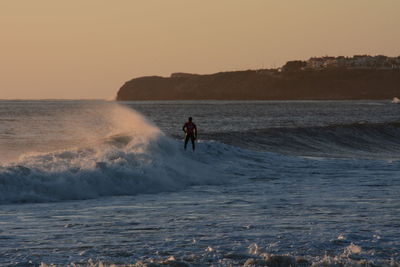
125	199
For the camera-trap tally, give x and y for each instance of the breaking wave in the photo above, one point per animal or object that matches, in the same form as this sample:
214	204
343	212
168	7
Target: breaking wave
139	159
122	153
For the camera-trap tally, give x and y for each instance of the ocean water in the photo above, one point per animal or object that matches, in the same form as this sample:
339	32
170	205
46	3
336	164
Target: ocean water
281	183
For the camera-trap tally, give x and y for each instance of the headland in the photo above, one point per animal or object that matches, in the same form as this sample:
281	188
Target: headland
326	78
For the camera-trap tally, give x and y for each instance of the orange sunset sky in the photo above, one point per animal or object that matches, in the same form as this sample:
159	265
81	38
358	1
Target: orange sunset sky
89	48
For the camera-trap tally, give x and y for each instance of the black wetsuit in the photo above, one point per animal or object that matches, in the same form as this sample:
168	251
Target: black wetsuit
191	133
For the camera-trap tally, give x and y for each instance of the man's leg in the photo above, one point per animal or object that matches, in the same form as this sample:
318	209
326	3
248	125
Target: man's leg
186	140
192	139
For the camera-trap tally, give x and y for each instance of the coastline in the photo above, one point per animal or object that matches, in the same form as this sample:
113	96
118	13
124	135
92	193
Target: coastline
328	84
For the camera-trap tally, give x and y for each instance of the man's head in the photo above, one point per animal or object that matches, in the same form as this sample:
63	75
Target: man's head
190	119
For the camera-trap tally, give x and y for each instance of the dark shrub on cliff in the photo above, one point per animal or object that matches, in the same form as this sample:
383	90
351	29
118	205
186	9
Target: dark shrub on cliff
295	65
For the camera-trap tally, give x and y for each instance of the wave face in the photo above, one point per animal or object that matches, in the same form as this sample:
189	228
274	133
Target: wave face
365	140
366	129
140	159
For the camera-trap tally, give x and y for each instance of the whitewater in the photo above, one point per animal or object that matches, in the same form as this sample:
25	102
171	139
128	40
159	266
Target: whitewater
280	183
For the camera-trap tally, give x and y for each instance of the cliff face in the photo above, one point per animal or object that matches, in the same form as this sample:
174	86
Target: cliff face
329	84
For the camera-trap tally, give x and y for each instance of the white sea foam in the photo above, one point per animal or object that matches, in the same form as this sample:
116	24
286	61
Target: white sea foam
135	157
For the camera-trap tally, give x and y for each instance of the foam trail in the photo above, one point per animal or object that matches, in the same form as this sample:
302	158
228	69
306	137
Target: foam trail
135	157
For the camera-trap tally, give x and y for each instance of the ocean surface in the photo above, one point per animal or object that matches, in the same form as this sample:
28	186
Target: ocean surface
279	183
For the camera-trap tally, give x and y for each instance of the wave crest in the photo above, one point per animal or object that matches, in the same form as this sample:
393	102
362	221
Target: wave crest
360	140
140	160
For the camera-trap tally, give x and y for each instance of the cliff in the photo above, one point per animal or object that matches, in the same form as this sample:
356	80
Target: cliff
328	84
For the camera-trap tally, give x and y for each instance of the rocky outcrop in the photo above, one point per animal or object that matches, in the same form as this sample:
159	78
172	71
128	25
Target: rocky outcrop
328	84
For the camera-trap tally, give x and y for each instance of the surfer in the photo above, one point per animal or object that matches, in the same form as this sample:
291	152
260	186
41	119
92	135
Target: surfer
190	132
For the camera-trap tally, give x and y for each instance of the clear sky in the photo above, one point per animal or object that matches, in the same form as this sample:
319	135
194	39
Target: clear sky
89	48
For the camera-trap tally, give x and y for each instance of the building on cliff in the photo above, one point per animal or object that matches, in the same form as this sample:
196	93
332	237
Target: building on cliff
355	62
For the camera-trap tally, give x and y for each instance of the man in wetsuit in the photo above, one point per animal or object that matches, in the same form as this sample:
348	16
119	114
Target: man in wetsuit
190	132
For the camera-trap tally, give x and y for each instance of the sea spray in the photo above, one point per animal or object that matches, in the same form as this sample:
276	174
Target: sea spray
134	157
